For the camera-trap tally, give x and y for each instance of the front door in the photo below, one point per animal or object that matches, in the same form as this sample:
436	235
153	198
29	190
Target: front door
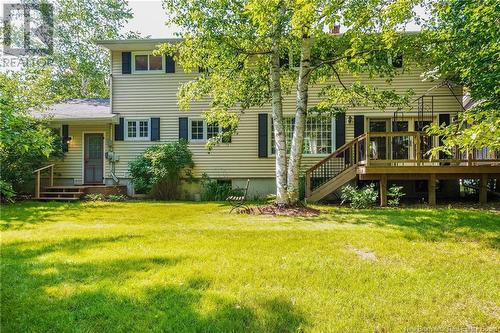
93	157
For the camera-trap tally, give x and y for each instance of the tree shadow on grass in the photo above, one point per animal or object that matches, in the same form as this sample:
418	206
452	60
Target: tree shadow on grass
429	225
19	215
104	296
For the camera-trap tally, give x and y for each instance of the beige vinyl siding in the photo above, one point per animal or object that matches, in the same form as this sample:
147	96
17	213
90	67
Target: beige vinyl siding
154	95
72	164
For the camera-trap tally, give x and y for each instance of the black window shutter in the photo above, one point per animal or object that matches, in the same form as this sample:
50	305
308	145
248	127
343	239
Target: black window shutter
155	129
64	137
359	125
169	64
263	119
183	128
126	62
119	128
339	130
224	138
443	118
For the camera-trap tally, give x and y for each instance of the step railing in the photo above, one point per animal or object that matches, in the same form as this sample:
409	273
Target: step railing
331	166
38	179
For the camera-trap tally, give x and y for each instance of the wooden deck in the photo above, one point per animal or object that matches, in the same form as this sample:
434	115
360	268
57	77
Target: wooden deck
398	156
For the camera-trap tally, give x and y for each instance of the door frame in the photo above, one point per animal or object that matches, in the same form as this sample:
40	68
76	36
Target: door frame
103	154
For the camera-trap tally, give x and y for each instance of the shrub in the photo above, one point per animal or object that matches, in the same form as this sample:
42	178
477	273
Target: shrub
394	195
213	190
159	170
7	193
360	198
116	197
95	197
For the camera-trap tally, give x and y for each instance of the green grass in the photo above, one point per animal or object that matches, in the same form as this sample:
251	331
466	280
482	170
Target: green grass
187	267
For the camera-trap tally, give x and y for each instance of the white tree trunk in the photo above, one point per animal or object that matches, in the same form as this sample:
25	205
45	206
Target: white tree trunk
297	145
279	130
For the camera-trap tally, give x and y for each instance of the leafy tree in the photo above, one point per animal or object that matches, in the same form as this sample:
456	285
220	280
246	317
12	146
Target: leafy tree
160	168
463	45
241	43
25	142
80	68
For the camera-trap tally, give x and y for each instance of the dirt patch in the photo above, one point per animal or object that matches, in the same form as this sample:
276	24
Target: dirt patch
280	211
366	255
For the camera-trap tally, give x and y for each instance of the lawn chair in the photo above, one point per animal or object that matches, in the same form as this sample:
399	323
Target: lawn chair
239	201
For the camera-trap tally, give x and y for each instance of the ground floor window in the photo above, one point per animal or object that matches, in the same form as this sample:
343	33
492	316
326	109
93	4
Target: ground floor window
137	129
199	130
318	137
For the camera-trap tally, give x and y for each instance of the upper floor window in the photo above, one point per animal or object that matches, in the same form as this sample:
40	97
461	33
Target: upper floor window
137	129
146	62
318	137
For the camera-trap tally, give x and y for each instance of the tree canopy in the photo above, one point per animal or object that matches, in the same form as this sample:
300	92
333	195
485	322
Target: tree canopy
463	45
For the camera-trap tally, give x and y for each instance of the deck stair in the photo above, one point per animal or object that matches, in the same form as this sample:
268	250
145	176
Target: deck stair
336	170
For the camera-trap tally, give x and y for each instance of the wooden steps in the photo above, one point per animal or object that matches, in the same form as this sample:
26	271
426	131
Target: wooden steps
333	184
62	193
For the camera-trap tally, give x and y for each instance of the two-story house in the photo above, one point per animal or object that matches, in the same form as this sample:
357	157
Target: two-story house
103	136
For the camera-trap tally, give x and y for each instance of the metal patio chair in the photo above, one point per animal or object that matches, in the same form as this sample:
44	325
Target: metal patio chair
239	201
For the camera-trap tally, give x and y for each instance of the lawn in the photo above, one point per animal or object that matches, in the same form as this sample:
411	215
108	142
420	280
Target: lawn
188	267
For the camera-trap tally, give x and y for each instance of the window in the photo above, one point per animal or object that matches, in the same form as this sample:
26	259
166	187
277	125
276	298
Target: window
318	136
199	130
137	129
212	130
145	62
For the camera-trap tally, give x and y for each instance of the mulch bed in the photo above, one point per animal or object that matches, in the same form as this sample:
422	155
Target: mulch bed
280	211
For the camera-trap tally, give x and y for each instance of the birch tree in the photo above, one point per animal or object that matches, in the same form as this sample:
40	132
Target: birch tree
241	53
241	43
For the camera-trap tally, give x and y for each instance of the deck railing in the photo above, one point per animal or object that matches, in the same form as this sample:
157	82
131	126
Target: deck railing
38	180
389	149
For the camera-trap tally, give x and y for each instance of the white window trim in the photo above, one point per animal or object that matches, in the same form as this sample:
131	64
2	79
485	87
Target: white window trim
205	131
137	138
269	139
148	53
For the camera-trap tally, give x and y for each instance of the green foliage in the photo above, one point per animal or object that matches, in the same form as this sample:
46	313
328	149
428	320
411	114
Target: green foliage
462	44
394	195
359	198
95	197
160	169
116	197
102	197
212	190
80	68
25	142
7	193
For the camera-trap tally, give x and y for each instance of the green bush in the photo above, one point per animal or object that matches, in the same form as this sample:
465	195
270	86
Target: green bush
213	190
394	195
360	198
95	197
160	169
116	197
7	193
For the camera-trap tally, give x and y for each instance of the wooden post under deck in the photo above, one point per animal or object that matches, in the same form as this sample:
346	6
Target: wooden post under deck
383	191
37	185
432	189
483	188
